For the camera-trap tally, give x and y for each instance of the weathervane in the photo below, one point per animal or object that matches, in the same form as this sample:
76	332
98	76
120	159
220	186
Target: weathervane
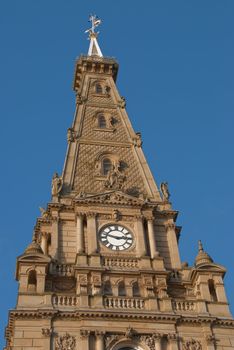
94	49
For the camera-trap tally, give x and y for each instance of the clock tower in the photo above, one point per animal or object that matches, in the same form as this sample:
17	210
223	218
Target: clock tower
103	271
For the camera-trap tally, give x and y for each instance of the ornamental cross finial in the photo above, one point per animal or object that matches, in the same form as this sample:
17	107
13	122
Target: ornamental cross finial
95	21
94	49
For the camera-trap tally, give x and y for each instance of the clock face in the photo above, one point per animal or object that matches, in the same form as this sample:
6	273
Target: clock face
116	237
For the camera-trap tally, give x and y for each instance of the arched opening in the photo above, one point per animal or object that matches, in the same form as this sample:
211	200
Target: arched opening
32	281
107	290
135	290
212	290
101	121
106	166
98	88
121	289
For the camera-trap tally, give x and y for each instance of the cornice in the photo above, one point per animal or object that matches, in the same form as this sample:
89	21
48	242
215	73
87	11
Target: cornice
110	315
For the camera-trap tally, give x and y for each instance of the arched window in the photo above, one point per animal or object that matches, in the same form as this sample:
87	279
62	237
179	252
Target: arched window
106	166
98	88
121	289
212	290
107	290
135	289
101	121
32	281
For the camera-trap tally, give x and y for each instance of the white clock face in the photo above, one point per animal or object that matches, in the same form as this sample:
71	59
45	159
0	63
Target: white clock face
116	237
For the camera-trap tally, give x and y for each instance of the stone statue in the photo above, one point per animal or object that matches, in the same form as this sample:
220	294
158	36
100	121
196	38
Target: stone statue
57	184
70	135
165	191
115	179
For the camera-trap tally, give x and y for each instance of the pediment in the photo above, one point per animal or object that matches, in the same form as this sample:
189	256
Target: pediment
110	198
41	258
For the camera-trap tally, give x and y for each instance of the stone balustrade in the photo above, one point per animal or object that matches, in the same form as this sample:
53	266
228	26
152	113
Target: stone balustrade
123	303
64	301
120	263
184	306
62	270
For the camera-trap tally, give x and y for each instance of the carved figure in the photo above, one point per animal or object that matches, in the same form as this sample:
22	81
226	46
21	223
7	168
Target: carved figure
57	184
115	179
65	342
122	102
116	215
165	191
44	213
70	135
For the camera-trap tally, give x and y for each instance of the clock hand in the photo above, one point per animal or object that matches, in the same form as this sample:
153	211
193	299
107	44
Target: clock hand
116	237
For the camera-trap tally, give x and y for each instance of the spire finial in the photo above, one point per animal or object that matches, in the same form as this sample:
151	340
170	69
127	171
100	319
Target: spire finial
200	246
94	49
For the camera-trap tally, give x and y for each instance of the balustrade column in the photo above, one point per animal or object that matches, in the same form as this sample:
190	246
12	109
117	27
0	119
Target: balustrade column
100	345
91	233
152	243
79	233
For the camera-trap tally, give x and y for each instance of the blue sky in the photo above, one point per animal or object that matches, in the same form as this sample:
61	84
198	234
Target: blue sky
176	72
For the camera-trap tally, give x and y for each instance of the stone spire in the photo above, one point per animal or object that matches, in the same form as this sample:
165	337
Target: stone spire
94	49
202	257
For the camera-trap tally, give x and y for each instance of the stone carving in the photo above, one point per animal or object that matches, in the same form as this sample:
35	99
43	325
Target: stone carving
162	288
80	99
129	333
165	191
44	213
46	332
149	341
57	184
84	333
111	338
116	215
210	339
115	179
65	342
192	344
137	141
122	102
70	135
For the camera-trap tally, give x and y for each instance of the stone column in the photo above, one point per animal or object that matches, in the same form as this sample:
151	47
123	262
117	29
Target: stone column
79	233
173	246
84	340
99	345
173	342
157	341
152	243
91	233
44	242
140	242
54	237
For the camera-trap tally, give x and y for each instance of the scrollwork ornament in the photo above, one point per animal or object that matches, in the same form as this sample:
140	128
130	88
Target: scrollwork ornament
65	342
192	344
